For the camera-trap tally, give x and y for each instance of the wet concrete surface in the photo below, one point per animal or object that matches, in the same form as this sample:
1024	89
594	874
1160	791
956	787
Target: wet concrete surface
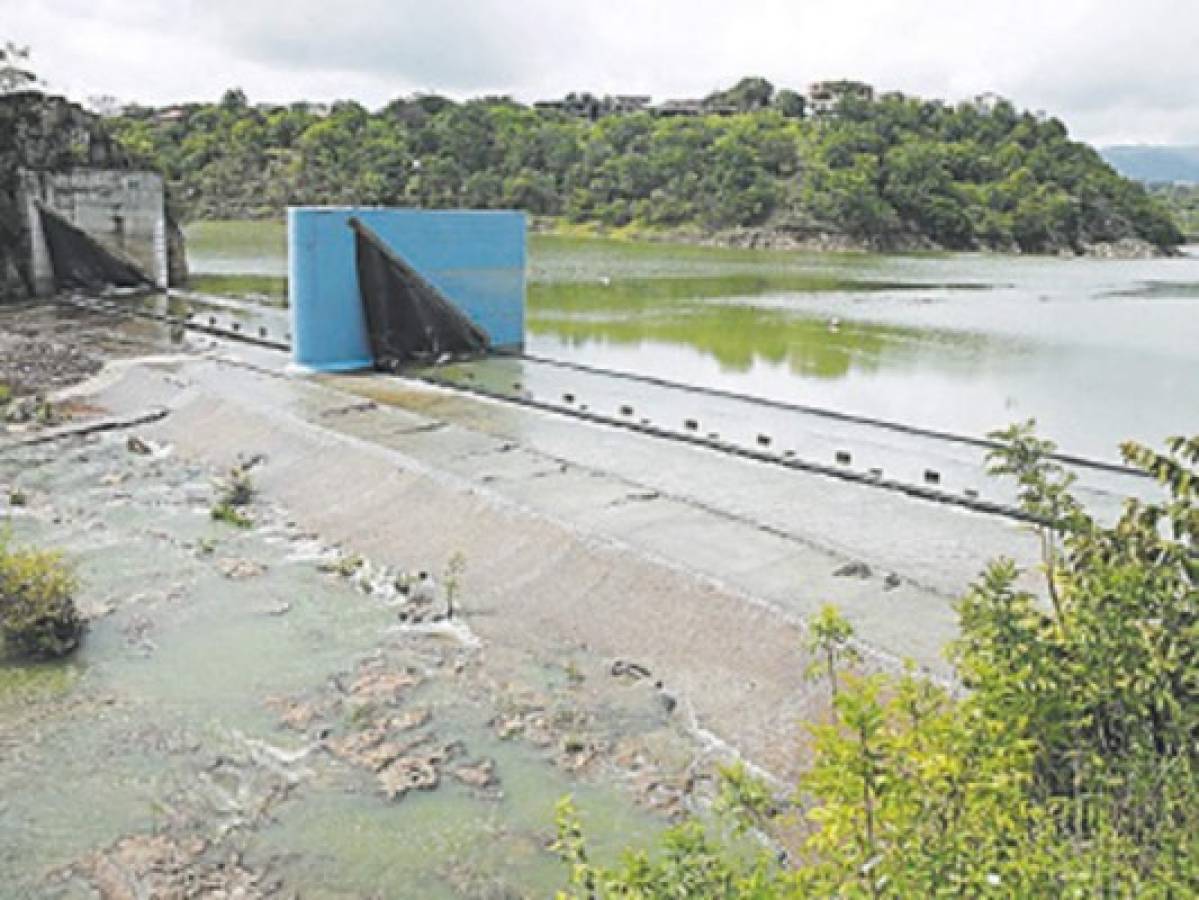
583	545
249	716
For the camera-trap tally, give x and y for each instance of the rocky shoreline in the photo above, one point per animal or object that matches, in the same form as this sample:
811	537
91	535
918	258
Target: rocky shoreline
815	240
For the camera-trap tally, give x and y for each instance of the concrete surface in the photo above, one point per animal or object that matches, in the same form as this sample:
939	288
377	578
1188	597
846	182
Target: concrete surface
700	566
124	211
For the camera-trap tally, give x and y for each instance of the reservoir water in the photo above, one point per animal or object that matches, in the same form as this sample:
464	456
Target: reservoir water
1097	351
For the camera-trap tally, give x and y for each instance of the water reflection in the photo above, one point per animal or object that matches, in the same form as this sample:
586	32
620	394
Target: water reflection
1097	350
737	335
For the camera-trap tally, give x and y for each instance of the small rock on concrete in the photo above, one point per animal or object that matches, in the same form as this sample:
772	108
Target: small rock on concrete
855	569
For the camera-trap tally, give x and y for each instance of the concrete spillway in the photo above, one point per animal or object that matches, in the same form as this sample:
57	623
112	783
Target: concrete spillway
930	466
699	564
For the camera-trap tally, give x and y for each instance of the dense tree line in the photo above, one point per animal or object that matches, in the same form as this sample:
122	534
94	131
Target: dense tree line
896	172
1182	200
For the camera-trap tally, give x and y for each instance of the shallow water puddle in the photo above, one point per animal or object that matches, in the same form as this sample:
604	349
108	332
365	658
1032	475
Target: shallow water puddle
240	719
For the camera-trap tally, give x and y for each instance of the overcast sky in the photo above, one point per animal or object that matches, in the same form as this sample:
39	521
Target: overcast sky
1116	71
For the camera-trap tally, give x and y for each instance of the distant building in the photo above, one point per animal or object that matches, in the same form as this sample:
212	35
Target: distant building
170	114
320	110
825	97
677	108
674	108
589	106
986	103
629	103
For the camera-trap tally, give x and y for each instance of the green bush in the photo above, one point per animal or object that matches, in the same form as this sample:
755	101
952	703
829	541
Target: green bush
38	617
1068	768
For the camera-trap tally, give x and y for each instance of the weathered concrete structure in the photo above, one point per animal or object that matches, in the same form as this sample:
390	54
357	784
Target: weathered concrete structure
122	210
57	154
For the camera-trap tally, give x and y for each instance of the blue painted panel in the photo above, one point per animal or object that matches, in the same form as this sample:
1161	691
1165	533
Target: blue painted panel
477	259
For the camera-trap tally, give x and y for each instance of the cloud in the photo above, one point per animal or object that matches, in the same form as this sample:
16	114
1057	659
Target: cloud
1112	72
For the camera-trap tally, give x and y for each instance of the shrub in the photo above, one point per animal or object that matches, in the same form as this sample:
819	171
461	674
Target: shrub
1068	768
38	617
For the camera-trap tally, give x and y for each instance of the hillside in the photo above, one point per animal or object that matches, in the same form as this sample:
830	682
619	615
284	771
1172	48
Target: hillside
1155	165
745	166
1182	200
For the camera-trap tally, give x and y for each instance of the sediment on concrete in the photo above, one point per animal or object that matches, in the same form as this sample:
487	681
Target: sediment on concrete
537	584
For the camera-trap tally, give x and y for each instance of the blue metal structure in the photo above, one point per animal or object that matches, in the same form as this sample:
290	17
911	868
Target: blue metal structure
475	258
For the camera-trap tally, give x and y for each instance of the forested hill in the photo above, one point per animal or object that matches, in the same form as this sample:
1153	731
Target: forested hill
896	172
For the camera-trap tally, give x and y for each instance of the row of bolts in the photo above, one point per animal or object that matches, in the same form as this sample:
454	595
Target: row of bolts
843	457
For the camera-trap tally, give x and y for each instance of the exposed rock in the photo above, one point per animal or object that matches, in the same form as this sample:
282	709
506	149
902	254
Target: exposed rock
344	565
480	775
296	715
891	582
854	569
161	866
1125	248
239	569
134	444
382	685
624	669
408	775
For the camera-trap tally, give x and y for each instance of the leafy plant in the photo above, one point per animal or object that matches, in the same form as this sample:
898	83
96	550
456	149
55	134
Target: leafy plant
38	617
230	515
829	644
453	580
688	863
235	492
1067	768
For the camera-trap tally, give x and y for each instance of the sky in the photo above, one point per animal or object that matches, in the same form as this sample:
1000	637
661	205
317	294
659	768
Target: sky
1116	71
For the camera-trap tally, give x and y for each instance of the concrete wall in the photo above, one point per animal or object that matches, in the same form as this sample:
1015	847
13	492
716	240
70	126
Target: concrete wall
477	259
124	211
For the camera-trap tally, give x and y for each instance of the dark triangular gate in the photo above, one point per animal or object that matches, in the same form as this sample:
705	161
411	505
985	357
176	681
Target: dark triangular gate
408	319
79	262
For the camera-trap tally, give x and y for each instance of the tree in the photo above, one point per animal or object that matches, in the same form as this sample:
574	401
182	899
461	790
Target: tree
1069	766
790	104
234	100
15	74
883	173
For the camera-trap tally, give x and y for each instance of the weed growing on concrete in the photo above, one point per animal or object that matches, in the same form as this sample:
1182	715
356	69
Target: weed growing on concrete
38	617
829	644
236	493
453	580
343	566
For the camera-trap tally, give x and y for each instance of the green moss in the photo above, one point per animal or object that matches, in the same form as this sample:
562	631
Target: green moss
224	512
